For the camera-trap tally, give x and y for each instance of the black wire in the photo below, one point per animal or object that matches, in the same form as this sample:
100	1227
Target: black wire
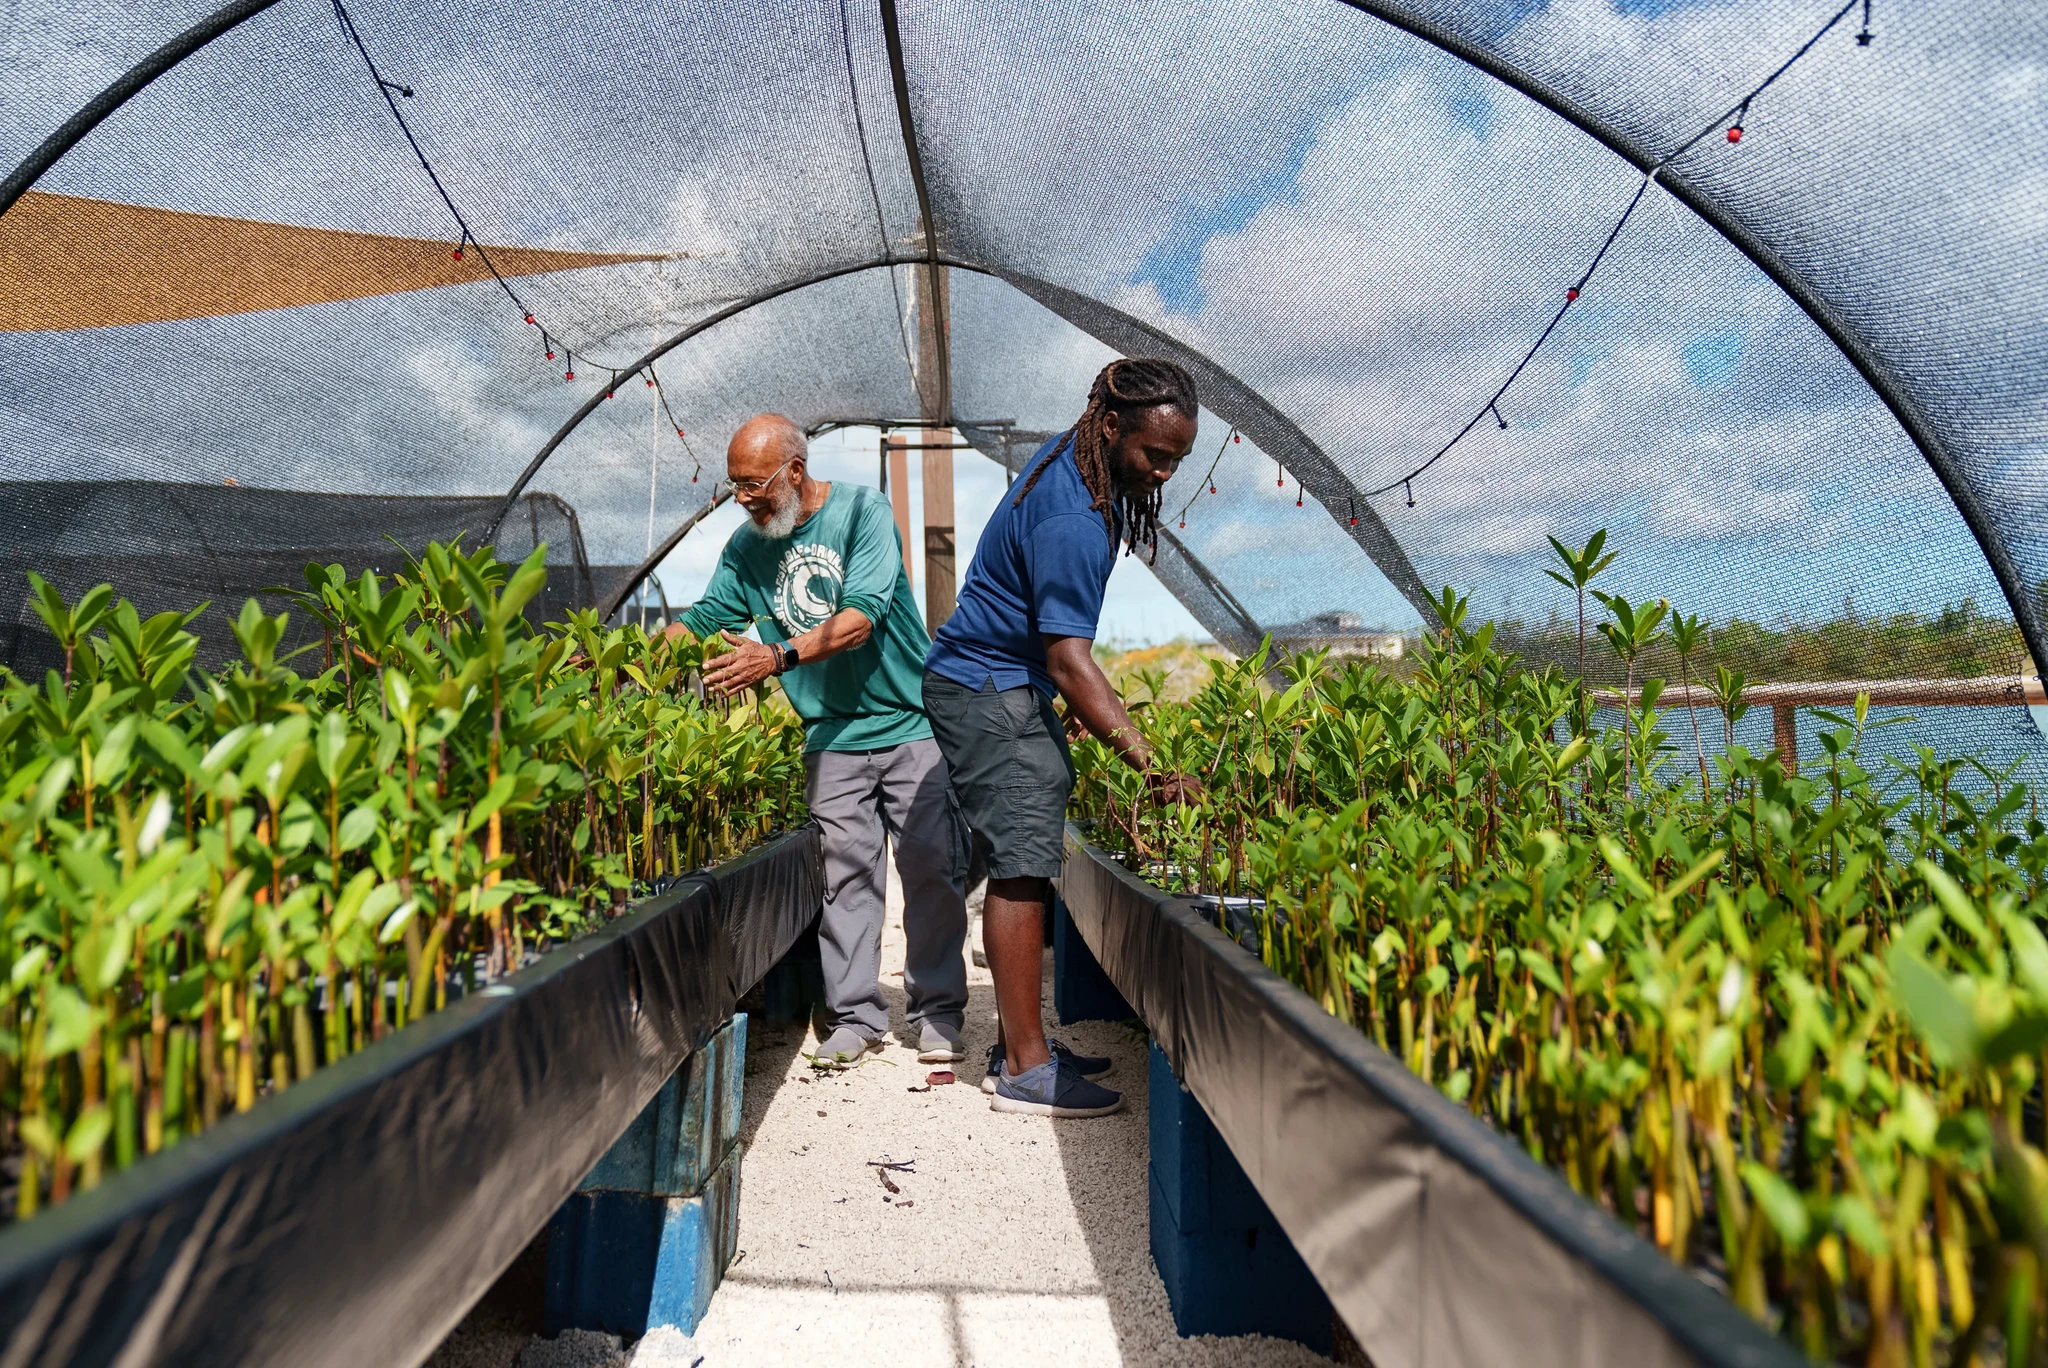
1530	355
1492	405
881	223
1742	104
468	236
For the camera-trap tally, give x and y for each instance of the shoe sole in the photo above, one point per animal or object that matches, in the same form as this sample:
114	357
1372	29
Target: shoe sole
988	1081
940	1056
1011	1104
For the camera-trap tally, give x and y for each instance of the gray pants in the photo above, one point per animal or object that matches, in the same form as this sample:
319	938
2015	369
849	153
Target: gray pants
855	797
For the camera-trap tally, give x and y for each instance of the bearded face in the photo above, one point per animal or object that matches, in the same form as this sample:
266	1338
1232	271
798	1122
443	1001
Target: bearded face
787	505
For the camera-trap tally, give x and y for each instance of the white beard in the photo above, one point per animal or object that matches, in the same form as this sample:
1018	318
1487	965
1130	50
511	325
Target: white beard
787	515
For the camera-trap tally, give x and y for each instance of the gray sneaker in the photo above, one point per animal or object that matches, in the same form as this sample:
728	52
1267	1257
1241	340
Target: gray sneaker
843	1048
1054	1088
938	1042
1088	1066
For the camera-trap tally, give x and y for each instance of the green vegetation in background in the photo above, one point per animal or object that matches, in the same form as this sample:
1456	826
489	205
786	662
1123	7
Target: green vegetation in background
1791	1029
212	885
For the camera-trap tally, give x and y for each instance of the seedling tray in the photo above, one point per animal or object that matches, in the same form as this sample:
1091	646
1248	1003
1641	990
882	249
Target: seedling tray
1439	1241
355	1218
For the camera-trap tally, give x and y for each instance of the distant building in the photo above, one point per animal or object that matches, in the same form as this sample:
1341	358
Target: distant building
1340	633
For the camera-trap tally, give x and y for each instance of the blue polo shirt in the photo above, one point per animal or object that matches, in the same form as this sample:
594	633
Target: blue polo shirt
1041	567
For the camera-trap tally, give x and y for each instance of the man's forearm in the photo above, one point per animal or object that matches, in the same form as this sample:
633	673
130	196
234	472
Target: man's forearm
845	630
1089	697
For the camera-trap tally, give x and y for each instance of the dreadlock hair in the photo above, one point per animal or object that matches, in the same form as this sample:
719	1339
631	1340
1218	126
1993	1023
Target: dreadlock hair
1124	387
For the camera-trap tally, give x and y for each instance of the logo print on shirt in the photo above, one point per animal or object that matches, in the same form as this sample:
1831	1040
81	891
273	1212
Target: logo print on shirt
807	586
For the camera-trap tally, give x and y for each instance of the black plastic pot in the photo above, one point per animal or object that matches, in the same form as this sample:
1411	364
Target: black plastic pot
1439	1241
354	1219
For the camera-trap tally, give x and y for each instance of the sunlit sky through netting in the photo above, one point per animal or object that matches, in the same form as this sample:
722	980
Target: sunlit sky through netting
1354	236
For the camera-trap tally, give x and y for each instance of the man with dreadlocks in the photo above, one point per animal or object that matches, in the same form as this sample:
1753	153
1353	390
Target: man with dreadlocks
1025	629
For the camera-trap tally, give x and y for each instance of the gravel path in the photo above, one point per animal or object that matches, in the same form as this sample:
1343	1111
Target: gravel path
1011	1241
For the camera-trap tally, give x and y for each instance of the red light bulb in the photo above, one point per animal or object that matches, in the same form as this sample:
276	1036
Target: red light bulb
1735	133
568	375
457	254
1297	501
529	318
1183	524
1235	438
1354	520
551	356
1571	294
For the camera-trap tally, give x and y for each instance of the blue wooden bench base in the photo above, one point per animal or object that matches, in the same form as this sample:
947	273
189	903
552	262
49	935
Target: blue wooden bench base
1228	1267
648	1234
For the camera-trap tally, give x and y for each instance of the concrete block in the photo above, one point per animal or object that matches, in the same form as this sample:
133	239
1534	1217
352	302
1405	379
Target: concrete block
1081	991
1228	1267
629	1262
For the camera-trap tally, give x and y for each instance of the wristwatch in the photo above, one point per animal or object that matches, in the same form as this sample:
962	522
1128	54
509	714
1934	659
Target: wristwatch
789	659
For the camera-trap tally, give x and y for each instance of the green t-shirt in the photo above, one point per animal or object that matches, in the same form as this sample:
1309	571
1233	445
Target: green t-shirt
845	555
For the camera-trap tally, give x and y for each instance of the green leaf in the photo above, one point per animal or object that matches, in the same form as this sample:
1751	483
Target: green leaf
1953	900
1854	1217
1543	971
1942	1018
359	826
88	1133
28	966
1780	1203
2023	1035
394	926
70	1022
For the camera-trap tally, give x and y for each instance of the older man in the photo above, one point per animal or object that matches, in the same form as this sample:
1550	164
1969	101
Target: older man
819	570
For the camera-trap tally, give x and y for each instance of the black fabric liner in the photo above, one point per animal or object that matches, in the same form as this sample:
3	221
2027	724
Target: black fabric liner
354	1219
1438	1240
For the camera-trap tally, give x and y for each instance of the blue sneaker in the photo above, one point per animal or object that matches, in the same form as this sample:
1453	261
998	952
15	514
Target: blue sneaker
1054	1088
1088	1066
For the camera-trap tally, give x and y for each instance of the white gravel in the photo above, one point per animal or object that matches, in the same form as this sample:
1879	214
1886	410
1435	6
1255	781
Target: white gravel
1015	1240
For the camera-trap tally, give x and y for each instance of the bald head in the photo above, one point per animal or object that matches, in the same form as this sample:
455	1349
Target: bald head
763	442
766	466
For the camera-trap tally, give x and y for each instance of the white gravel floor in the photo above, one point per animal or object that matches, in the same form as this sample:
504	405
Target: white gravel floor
1015	1240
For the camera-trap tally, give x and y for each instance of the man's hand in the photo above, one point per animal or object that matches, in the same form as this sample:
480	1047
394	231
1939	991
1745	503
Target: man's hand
1169	789
747	664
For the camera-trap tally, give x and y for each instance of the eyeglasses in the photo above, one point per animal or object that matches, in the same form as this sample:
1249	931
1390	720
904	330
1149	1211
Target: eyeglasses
753	487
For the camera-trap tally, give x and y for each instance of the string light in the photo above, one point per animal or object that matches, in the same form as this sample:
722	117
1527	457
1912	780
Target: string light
1220	449
466	238
1730	122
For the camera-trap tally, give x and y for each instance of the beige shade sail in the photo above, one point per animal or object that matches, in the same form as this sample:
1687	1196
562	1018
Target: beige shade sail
71	262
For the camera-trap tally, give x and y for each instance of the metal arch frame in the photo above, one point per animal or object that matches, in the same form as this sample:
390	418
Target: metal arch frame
719	498
1874	373
125	87
1243	406
1903	410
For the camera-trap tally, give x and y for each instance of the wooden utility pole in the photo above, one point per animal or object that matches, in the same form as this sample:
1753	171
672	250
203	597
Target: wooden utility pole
940	593
896	476
935	396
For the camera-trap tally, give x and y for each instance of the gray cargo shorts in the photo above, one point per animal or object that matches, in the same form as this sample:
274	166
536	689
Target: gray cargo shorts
1007	755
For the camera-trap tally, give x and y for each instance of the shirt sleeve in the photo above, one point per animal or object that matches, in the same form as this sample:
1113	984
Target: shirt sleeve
724	605
1071	557
874	561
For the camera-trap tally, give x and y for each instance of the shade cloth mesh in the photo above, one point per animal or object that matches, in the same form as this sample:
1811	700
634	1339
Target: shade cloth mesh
1351	232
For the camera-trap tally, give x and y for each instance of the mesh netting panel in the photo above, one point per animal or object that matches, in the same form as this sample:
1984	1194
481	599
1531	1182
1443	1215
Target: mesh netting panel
1351	235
